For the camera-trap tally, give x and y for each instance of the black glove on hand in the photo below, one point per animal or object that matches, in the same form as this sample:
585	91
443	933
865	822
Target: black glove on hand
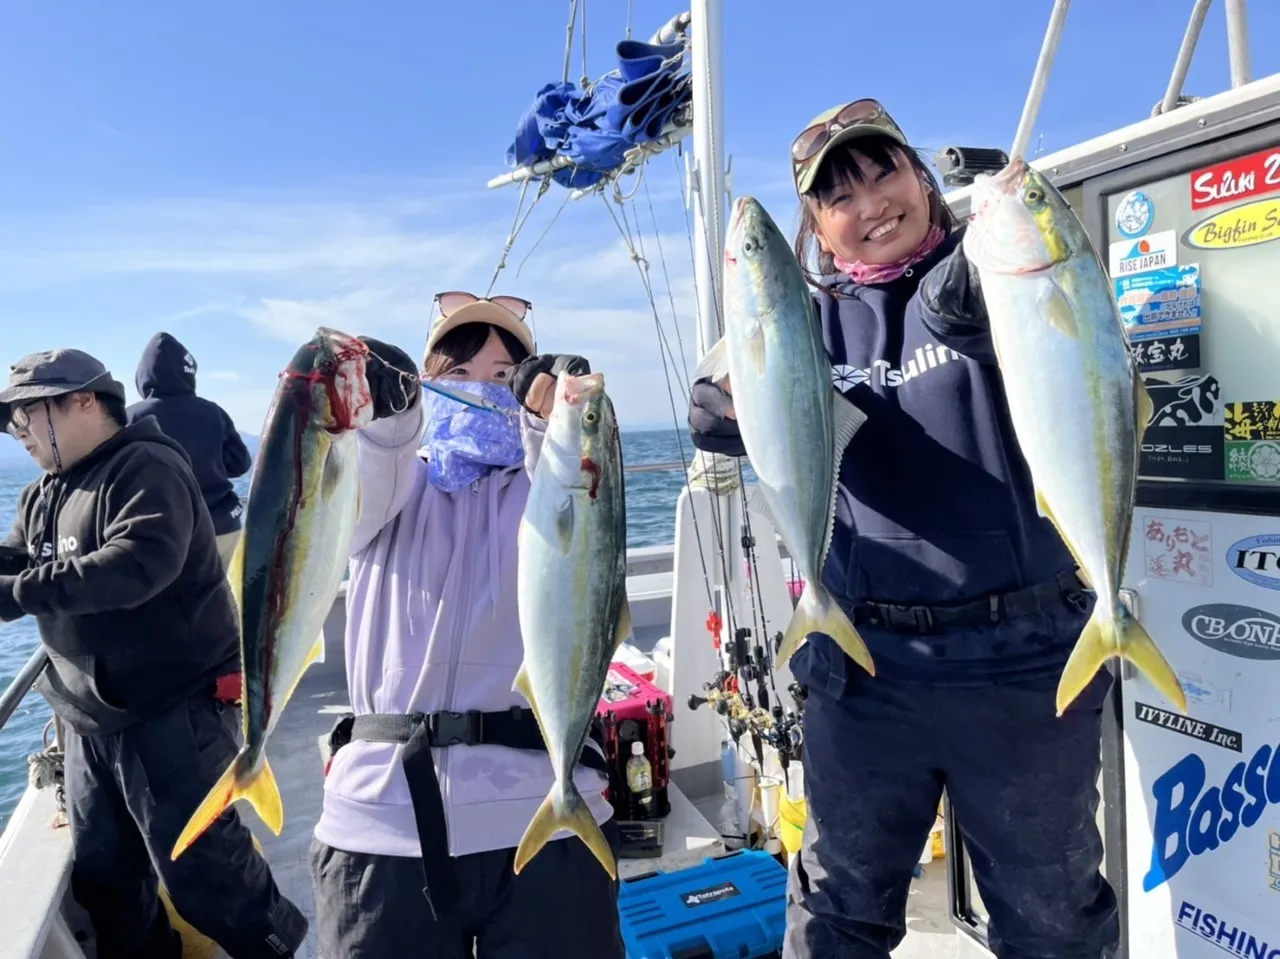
13	560
393	378
525	376
9	608
710	426
953	291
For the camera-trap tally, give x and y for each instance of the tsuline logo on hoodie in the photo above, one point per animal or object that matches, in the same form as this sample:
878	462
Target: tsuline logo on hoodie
883	373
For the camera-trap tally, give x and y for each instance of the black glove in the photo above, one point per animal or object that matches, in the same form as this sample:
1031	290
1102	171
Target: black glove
711	430
13	560
9	608
529	369
953	291
393	378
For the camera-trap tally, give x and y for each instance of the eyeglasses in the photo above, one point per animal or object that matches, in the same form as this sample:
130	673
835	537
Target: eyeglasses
812	139
20	418
456	299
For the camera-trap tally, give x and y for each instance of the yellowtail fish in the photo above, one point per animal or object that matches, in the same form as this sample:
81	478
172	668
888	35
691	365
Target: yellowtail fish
572	576
304	500
1078	405
794	424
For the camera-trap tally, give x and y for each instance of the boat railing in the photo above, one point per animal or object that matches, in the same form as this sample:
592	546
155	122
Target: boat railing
17	690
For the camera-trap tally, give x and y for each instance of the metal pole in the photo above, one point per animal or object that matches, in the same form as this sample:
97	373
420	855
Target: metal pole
1238	42
1040	79
1185	53
21	685
708	141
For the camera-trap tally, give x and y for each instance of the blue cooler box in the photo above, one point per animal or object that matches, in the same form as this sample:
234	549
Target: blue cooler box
730	907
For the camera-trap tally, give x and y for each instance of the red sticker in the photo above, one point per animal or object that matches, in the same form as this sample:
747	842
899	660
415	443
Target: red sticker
1236	179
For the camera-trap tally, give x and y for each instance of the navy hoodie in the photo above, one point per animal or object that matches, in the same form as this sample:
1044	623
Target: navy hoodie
167	382
935	504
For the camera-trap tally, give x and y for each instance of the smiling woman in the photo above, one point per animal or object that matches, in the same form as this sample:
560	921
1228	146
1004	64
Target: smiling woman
964	594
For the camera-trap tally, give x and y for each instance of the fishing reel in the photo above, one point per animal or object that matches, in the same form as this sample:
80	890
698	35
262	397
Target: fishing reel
959	166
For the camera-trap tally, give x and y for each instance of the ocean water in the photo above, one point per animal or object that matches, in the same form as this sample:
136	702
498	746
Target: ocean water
651	503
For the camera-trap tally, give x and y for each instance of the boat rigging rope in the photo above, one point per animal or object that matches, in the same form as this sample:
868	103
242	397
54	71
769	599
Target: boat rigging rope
45	769
516	226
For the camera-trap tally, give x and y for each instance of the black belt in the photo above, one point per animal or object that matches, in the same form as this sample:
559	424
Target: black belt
516	728
1066	587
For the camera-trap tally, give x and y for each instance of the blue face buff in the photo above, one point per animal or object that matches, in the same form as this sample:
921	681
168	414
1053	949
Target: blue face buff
465	443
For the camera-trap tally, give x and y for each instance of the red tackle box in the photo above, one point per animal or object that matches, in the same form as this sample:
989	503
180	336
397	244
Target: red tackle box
633	709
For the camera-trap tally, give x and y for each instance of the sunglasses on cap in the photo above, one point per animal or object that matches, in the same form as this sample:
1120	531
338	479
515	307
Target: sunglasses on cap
455	300
813	138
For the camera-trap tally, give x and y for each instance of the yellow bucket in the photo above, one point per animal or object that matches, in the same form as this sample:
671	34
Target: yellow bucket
195	945
791	816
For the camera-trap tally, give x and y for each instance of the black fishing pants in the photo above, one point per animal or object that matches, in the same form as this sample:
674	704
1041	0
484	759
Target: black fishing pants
563	904
129	796
1022	783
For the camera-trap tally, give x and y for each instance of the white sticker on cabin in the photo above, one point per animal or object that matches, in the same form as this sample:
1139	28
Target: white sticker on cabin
1154	252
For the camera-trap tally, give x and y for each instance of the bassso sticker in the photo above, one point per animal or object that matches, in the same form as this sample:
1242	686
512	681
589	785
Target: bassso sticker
1256	560
1192	820
1154	252
1240	631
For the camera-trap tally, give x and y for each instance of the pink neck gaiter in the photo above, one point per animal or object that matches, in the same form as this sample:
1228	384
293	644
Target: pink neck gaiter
868	273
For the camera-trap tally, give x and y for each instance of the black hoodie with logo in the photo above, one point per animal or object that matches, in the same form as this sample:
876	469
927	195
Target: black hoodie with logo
124	579
167	382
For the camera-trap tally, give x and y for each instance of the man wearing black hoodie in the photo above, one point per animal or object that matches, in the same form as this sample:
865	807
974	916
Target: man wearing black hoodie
112	551
166	382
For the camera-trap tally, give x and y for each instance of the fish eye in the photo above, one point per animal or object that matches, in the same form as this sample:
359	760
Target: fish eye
1034	195
590	418
748	246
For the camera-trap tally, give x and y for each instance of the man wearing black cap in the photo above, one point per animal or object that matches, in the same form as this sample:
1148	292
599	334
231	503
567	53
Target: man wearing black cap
113	552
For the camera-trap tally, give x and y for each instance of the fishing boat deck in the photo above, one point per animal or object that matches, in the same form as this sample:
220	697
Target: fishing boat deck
296	757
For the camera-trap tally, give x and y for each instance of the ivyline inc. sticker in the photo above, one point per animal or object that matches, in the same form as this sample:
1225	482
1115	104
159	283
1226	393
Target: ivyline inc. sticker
1186	726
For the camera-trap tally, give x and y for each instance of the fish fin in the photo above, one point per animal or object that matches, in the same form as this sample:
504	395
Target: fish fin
331	472
522	685
847	419
564	525
1056	308
1042	507
571	813
260	789
1100	640
316	655
756	349
818	612
715	364
624	623
1143	408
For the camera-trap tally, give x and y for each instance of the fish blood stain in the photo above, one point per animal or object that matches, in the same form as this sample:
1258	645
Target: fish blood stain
589	465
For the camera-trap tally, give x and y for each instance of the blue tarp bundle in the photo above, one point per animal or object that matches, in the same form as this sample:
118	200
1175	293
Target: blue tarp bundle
595	127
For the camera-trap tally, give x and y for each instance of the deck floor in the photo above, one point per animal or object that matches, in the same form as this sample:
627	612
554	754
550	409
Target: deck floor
294	750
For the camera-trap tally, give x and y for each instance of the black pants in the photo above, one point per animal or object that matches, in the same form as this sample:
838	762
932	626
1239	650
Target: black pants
129	795
1023	785
562	904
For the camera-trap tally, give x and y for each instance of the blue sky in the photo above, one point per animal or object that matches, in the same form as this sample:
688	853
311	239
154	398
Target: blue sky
239	174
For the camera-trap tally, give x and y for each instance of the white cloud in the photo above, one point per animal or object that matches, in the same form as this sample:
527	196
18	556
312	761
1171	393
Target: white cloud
243	273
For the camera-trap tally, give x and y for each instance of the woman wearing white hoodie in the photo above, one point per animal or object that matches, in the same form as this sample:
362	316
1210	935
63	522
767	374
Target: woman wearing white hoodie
413	852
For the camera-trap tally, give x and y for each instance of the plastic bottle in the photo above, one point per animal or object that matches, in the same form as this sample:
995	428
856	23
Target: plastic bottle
640	782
